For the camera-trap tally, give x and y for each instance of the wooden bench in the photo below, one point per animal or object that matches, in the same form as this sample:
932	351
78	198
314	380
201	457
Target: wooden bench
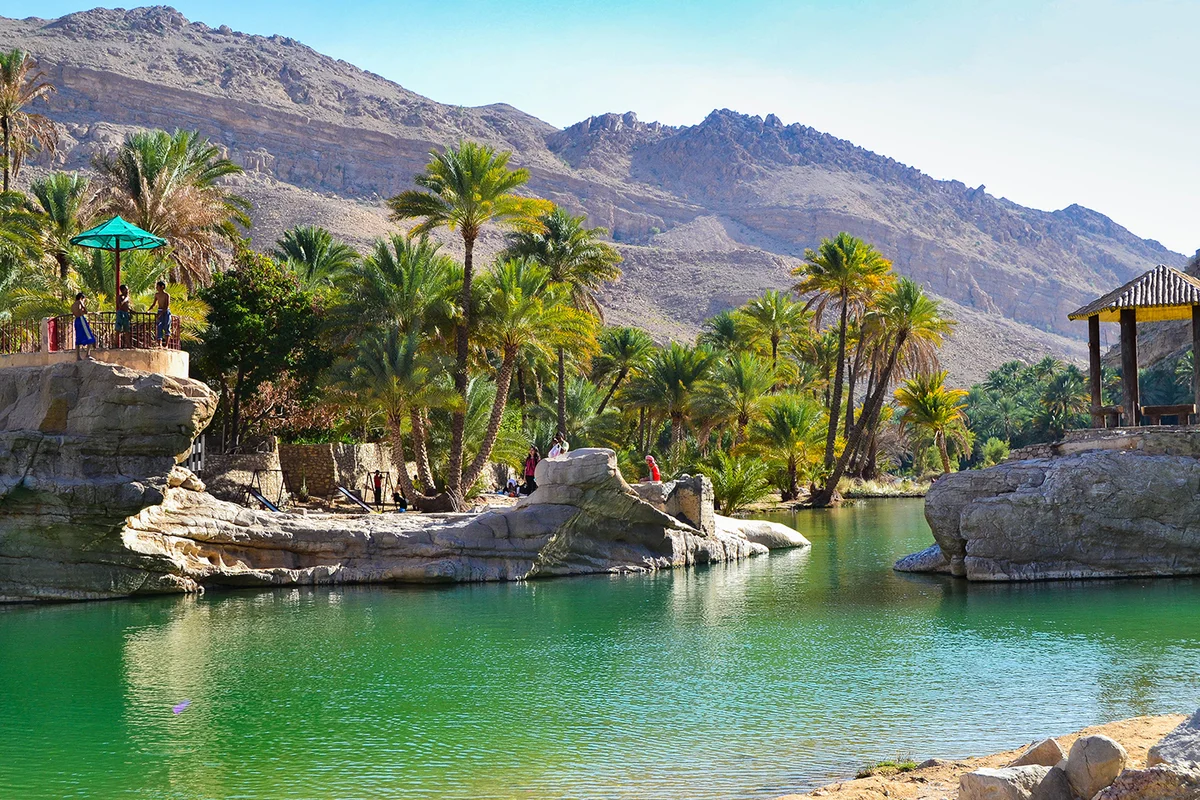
1152	415
1107	416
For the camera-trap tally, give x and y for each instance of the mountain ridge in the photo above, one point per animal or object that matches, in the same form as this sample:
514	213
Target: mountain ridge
706	215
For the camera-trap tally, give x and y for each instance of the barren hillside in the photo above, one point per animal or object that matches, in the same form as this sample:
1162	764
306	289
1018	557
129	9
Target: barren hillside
706	215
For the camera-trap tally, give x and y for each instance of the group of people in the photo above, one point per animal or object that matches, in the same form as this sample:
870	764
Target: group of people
559	448
377	480
85	337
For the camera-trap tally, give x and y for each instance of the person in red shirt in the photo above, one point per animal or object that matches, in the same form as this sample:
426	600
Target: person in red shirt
653	467
377	484
531	462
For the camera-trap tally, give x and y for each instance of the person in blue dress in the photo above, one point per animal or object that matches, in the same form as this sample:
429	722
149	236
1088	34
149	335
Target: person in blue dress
84	338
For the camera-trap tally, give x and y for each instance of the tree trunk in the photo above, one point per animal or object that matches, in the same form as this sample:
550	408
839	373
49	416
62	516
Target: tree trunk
793	484
940	438
236	424
676	435
854	438
854	367
493	429
4	124
643	446
421	452
612	390
64	265
835	403
562	392
458	419
422	501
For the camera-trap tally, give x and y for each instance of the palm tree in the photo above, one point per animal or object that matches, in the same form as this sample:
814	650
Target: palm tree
170	184
736	392
22	131
930	406
724	332
621	350
20	231
790	434
911	326
737	480
314	255
844	272
668	383
1046	368
521	308
1064	399
463	189
1004	379
575	256
65	203
773	316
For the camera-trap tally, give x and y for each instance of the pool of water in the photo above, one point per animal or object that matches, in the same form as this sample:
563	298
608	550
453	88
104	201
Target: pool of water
741	681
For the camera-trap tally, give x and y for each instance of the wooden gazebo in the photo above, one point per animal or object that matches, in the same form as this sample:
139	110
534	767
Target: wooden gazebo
1163	293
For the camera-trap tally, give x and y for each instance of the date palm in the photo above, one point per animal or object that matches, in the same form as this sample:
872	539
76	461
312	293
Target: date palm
928	405
790	436
736	392
463	189
773	316
667	385
574	255
170	184
314	255
724	332
621	350
65	206
21	131
844	273
521	308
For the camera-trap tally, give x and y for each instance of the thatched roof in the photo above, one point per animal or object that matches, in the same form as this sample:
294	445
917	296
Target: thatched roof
1162	293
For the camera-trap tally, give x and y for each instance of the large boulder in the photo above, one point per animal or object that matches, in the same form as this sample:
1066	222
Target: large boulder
1180	747
1007	783
1055	786
1161	782
94	504
772	535
1093	763
1046	753
1123	505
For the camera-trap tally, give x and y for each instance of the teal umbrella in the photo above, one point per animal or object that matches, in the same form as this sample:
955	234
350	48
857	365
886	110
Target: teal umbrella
117	235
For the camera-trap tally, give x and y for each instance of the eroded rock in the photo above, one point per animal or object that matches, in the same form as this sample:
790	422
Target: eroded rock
1161	782
1180	747
1007	783
1093	763
1046	753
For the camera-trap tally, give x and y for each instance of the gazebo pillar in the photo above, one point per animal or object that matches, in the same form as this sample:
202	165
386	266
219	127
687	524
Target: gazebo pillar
1094	367
1195	360
1129	367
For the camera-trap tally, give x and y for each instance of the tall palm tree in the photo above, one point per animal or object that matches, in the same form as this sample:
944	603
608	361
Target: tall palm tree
314	255
790	435
574	255
736	392
20	231
170	184
621	350
463	189
912	326
724	332
521	308
773	316
21	131
930	406
846	273
65	203
668	385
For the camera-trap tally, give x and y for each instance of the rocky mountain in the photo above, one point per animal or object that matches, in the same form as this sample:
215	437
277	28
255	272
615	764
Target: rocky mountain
705	215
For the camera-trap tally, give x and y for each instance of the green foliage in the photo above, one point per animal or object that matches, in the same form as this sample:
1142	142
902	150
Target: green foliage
317	259
993	452
1025	405
737	481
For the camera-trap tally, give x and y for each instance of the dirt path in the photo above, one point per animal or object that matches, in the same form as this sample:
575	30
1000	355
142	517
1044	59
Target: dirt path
940	782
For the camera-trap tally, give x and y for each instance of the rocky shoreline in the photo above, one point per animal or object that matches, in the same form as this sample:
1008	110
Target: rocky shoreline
1160	761
94	505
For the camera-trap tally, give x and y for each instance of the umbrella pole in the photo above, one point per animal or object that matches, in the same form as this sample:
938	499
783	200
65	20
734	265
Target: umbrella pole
117	285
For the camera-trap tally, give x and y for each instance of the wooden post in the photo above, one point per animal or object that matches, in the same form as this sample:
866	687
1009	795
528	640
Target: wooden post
1196	359
1129	367
1094	368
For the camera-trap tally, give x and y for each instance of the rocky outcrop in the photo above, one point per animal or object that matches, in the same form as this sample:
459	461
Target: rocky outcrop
1006	783
93	505
1180	747
1099	505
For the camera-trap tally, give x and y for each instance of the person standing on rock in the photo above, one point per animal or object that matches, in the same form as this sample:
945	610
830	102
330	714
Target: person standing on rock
531	462
162	321
84	338
652	466
124	321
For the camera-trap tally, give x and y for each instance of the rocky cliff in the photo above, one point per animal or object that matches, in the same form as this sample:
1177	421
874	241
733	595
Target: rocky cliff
93	505
706	215
1100	504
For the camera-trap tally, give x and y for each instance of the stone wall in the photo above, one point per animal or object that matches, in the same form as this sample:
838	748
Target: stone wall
228	475
321	468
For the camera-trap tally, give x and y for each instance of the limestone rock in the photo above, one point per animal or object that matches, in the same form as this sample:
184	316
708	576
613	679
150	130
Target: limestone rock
1180	747
1046	753
1007	783
1055	786
1161	782
773	535
931	559
1120	505
1093	763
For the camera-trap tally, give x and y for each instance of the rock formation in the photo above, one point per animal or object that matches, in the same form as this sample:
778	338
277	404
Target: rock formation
1100	504
93	505
718	209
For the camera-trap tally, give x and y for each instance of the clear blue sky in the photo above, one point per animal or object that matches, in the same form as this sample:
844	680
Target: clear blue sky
1047	103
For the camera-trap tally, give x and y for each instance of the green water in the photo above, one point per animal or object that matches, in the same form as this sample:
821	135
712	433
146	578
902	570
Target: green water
741	681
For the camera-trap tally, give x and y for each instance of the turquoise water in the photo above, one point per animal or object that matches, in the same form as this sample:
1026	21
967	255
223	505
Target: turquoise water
741	681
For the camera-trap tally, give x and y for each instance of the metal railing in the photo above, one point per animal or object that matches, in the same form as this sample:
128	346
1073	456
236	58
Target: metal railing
142	333
20	337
